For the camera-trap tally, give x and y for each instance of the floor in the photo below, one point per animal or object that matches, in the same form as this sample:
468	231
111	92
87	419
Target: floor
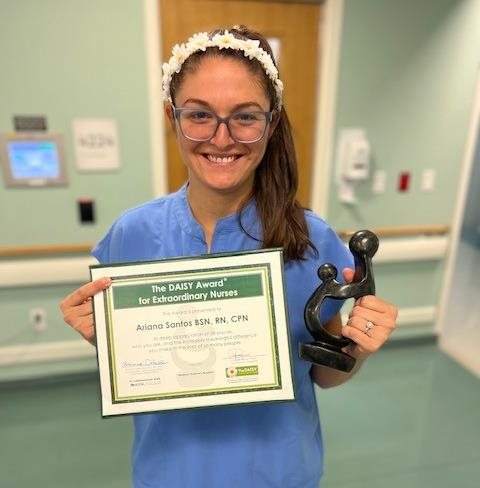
410	419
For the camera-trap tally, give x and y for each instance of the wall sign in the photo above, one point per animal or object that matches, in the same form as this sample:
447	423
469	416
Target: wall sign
96	144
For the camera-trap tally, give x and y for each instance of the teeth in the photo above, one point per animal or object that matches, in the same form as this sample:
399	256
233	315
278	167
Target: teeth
220	160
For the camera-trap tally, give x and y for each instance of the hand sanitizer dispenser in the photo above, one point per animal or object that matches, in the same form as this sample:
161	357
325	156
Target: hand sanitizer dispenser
353	162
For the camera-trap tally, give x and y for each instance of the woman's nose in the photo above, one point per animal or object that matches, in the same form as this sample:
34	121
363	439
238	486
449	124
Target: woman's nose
222	137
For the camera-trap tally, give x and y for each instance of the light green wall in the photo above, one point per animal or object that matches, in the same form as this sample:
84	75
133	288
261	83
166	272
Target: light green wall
407	75
67	59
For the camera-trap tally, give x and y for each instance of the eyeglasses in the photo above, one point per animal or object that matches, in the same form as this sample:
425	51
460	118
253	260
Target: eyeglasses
201	125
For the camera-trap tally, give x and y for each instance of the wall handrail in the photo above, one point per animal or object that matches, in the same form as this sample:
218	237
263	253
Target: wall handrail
49	250
403	231
17	251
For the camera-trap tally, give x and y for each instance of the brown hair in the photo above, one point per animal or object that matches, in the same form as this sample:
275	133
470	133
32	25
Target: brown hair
275	187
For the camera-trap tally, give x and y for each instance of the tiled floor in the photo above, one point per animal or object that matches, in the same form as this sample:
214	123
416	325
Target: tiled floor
410	419
52	436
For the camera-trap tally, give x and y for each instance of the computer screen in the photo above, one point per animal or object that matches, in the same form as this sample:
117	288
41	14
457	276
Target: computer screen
32	159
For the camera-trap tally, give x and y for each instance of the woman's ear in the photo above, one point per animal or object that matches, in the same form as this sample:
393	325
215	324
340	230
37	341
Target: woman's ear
170	116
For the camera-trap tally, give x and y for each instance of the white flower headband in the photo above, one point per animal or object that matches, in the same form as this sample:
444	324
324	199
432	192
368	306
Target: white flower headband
201	41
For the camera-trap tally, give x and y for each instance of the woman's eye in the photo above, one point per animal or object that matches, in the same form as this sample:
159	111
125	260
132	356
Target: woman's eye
246	117
199	115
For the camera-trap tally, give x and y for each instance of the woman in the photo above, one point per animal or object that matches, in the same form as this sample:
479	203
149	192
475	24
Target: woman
225	106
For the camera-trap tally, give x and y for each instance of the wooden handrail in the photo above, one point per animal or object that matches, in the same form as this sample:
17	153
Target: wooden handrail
7	252
400	231
403	231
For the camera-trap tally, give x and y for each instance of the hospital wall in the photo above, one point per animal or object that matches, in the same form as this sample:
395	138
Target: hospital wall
65	60
407	76
407	73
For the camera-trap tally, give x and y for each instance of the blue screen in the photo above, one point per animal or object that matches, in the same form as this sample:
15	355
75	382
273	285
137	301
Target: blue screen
34	159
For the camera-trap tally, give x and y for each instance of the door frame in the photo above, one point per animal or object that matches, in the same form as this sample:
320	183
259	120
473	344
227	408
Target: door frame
330	33
472	139
153	50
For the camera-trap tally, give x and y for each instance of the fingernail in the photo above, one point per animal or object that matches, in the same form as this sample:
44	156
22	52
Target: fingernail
107	281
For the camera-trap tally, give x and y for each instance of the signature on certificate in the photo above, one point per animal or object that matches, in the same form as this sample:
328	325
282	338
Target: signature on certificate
143	363
238	354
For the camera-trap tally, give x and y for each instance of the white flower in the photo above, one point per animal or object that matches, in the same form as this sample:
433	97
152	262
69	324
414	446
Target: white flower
225	40
201	42
180	53
198	42
251	48
279	86
167	70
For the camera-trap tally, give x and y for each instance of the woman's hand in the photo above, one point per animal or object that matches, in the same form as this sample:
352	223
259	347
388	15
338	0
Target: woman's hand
370	323
77	308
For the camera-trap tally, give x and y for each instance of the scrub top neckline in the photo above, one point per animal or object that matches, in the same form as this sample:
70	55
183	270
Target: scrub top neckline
228	223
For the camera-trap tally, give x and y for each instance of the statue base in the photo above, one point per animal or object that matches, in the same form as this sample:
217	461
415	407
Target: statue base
326	355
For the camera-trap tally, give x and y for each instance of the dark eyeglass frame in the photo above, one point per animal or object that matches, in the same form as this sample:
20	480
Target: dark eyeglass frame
221	120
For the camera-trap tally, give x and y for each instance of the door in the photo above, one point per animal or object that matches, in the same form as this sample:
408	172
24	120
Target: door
296	27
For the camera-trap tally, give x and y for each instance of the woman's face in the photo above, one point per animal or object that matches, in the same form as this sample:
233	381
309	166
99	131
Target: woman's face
220	165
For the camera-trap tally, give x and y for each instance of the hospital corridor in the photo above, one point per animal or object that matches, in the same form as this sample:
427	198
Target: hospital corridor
174	310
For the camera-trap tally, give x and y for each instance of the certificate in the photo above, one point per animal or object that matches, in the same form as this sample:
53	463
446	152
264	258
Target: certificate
193	332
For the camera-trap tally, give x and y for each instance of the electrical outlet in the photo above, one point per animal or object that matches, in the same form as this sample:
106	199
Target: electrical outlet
428	180
379	181
38	319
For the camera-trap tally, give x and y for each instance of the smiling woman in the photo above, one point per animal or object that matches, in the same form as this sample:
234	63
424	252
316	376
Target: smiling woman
225	105
224	79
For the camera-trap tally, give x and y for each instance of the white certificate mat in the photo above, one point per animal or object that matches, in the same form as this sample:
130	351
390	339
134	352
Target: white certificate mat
196	332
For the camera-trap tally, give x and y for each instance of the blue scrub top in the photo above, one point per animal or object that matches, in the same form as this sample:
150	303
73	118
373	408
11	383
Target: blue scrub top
264	445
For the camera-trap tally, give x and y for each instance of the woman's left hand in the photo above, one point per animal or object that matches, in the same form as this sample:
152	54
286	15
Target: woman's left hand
370	323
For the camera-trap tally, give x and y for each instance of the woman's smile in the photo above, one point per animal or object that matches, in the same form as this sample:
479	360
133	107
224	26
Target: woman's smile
222	158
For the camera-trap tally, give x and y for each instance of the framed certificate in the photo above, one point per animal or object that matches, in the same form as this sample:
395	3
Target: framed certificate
193	332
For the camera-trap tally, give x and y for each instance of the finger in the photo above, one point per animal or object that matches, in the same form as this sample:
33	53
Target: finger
76	316
348	274
376	332
365	315
84	325
363	342
366	344
374	303
86	328
86	291
84	309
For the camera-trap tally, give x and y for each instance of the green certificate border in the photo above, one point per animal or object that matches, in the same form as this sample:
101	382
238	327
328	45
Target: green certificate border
197	272
264	271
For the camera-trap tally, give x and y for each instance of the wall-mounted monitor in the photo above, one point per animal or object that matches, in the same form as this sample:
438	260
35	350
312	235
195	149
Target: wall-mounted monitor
31	159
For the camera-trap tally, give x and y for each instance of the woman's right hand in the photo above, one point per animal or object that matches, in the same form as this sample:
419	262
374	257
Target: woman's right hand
77	308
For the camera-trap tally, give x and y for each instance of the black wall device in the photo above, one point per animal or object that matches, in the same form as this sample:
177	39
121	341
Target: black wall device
29	123
86	208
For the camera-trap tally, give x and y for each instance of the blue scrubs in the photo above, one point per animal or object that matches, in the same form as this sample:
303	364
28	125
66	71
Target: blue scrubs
263	445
